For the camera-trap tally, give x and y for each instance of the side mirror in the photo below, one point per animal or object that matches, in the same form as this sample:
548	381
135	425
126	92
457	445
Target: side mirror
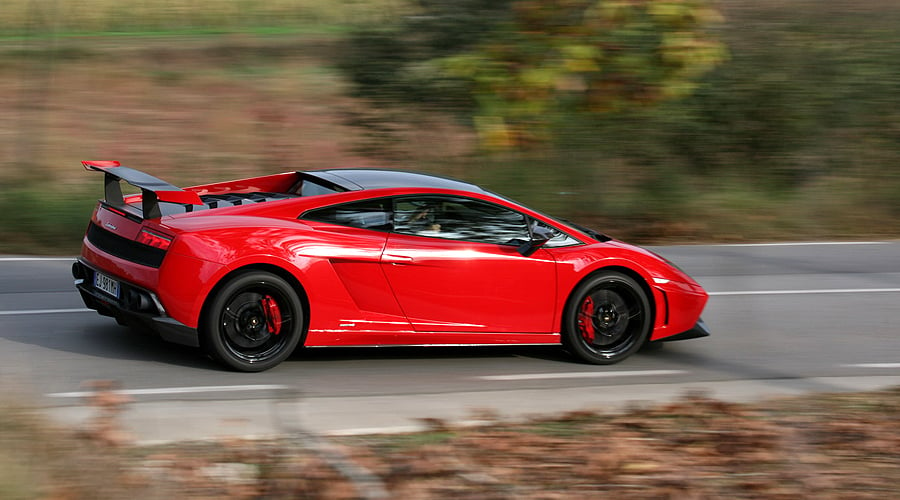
529	247
539	236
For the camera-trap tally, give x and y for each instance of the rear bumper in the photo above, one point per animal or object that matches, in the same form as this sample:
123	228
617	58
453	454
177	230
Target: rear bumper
135	306
699	330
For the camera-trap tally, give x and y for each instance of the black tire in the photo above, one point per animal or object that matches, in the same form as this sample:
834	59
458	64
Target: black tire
254	322
607	318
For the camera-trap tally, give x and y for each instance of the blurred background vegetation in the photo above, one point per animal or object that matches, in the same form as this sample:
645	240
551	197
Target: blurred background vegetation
651	120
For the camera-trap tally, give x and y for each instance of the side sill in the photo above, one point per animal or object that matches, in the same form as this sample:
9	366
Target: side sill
176	332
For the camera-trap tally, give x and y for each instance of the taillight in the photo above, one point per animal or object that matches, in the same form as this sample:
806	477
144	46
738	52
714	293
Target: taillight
154	239
115	210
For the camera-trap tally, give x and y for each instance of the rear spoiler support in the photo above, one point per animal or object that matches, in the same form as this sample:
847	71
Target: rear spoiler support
153	190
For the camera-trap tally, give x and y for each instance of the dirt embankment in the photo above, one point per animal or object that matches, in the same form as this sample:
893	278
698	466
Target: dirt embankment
821	446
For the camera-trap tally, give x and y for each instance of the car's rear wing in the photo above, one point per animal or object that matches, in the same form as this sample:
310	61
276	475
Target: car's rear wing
153	190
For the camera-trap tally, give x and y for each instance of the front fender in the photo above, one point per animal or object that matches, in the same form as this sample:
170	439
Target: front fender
675	298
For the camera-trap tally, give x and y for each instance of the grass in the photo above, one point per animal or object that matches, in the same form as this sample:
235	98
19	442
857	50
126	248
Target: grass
38	18
190	111
249	87
40	221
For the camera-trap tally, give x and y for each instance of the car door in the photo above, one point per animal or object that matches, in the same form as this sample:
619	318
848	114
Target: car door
346	276
453	267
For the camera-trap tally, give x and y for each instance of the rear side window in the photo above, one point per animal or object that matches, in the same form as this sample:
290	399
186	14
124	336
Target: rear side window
367	214
310	188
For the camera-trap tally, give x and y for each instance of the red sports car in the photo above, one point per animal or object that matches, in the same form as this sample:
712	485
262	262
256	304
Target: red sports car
250	269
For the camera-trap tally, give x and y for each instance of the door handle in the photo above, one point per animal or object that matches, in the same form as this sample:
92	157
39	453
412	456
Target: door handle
397	259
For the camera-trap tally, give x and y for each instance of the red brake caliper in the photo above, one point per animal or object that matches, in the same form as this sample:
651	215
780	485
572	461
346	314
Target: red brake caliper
273	315
585	319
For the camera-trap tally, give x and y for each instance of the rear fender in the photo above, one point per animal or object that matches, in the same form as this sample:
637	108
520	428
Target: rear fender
280	270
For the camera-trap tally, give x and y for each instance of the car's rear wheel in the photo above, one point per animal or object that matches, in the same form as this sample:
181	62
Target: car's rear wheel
607	318
254	322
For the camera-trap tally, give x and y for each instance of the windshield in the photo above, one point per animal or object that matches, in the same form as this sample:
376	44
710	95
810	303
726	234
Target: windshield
563	222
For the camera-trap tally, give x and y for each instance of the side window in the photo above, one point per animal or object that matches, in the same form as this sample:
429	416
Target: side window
368	214
557	237
458	219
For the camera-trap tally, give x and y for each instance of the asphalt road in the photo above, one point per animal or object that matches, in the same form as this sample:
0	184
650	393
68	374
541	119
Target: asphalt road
786	319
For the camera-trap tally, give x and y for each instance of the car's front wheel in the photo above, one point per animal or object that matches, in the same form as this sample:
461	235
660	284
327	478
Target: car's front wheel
254	322
607	318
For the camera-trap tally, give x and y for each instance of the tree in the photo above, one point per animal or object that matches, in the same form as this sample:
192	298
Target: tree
524	66
564	57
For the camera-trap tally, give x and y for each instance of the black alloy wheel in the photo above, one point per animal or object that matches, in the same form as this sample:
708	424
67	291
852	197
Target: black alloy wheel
607	318
254	322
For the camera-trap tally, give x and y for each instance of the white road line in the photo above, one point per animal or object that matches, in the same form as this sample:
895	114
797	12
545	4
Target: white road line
365	431
175	390
802	244
874	365
44	311
548	376
37	259
398	429
803	292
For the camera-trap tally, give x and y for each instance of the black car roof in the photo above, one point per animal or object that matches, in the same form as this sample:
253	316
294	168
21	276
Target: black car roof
356	179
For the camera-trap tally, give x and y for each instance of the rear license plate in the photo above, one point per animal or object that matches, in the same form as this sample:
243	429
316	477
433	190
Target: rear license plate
106	284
